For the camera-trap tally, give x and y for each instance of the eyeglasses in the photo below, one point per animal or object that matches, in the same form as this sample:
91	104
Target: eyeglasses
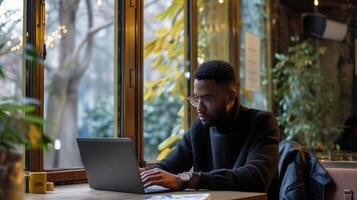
206	100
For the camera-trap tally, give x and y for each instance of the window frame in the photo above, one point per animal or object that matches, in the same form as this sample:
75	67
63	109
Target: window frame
128	69
191	50
33	83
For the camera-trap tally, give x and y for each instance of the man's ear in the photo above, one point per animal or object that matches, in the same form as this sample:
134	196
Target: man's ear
231	97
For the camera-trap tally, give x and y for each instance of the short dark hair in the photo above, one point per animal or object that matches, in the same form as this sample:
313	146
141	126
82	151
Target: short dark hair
218	70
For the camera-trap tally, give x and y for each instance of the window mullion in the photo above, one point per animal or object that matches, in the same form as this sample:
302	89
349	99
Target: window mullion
132	74
234	27
191	49
34	72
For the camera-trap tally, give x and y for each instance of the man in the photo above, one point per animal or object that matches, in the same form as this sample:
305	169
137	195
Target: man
229	147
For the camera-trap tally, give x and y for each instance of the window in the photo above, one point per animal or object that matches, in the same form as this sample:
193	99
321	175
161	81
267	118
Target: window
213	30
165	76
79	76
11	41
104	54
254	25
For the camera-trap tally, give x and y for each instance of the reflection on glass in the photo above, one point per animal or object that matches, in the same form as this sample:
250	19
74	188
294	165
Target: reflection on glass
165	83
253	20
79	76
11	22
213	30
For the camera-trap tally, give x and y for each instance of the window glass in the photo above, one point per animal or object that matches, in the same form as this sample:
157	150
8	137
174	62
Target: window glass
79	76
11	31
165	80
253	29
213	30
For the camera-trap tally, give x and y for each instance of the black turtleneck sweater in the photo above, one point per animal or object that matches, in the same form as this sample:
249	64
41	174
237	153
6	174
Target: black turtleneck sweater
240	154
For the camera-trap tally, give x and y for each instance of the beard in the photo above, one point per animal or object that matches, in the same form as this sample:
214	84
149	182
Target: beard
216	118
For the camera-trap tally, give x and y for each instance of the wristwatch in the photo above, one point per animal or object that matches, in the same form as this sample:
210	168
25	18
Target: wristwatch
184	178
189	179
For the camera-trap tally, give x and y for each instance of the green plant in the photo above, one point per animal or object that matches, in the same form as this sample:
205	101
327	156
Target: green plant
98	121
17	126
303	96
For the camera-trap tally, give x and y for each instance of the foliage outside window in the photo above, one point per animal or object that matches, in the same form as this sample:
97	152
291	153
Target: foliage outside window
165	83
165	95
79	76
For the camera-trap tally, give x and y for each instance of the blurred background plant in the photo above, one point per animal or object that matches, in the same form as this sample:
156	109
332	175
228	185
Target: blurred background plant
98	121
18	128
17	125
303	96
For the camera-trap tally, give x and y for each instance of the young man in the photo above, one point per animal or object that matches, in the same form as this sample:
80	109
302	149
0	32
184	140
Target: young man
229	147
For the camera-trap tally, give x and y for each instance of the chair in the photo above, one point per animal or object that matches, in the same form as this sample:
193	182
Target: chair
300	175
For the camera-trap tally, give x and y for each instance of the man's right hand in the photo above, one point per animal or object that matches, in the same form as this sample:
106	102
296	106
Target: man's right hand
159	177
141	169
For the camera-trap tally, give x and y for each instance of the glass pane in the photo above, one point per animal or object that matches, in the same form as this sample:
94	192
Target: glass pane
79	76
253	19
213	30
165	83
11	22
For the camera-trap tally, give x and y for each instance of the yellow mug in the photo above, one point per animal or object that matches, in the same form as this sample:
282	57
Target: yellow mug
37	183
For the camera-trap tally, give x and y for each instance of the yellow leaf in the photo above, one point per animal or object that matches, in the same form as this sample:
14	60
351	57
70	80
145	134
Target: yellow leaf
158	45
181	113
158	61
149	47
147	94
164	153
161	32
168	141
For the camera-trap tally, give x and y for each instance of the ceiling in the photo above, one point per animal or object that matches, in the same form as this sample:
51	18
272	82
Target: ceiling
308	5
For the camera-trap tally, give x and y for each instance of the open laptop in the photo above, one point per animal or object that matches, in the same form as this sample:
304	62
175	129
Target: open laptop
111	164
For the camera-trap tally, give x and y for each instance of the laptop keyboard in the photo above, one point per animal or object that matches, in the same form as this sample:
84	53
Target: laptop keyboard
156	188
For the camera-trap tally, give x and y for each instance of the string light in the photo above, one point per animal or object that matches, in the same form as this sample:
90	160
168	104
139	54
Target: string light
57	34
220	1
49	39
16	47
316	2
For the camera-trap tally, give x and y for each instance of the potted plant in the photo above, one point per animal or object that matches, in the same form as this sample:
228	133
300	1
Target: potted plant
303	97
17	128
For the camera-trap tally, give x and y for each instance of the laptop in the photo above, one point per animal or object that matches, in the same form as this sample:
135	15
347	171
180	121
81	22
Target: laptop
111	164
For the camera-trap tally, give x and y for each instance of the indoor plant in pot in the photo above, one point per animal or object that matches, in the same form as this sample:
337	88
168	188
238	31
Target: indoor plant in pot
17	129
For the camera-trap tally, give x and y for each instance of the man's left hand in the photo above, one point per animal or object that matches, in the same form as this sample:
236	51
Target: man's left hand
160	177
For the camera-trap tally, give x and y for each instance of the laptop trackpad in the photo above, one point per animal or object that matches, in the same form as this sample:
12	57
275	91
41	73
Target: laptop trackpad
156	188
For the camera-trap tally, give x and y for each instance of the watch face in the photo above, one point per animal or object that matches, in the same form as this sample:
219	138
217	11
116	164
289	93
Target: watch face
184	177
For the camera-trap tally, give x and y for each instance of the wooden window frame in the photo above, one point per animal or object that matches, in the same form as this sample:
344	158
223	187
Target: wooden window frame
128	64
33	83
191	47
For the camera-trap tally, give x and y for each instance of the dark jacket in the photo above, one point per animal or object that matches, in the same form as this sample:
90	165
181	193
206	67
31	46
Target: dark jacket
300	175
254	165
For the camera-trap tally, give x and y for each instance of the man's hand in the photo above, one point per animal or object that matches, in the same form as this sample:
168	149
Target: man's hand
159	177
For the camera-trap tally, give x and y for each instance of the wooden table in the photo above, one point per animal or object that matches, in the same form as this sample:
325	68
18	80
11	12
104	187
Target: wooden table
83	192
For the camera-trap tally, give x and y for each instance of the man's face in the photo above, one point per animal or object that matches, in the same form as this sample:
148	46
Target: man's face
210	112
